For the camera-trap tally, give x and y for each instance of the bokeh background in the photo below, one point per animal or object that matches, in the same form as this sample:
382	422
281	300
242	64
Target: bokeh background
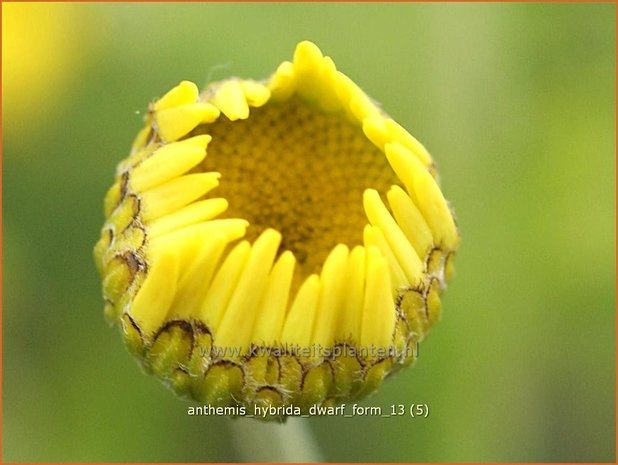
515	101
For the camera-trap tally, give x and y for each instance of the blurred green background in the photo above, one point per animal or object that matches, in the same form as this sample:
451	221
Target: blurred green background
515	101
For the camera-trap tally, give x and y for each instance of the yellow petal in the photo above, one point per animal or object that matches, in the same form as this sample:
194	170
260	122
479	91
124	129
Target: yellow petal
193	213
308	59
378	309
363	108
231	100
374	126
256	93
299	321
173	123
410	221
169	162
239	317
405	165
373	236
331	296
197	274
406	255
425	193
137	156
282	84
175	194
230	228
328	98
436	211
398	134
346	88
272	308
308	66
152	302
350	319
184	93
223	285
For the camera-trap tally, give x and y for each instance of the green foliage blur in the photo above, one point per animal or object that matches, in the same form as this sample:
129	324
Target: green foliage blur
516	102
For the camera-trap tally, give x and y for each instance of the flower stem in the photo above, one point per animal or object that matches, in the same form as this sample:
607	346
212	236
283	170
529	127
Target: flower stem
292	441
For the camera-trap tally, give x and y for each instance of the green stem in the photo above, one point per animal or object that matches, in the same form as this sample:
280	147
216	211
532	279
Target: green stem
292	441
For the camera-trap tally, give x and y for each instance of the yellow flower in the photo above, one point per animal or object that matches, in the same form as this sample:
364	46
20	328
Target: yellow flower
249	254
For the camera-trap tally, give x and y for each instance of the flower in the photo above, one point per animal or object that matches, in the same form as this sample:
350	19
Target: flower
248	252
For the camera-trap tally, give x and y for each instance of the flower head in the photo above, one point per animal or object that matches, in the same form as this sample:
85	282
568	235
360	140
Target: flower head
274	243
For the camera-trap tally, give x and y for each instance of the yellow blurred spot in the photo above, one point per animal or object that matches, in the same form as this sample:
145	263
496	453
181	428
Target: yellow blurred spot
43	52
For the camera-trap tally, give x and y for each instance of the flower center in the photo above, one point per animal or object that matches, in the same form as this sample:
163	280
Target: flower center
296	169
